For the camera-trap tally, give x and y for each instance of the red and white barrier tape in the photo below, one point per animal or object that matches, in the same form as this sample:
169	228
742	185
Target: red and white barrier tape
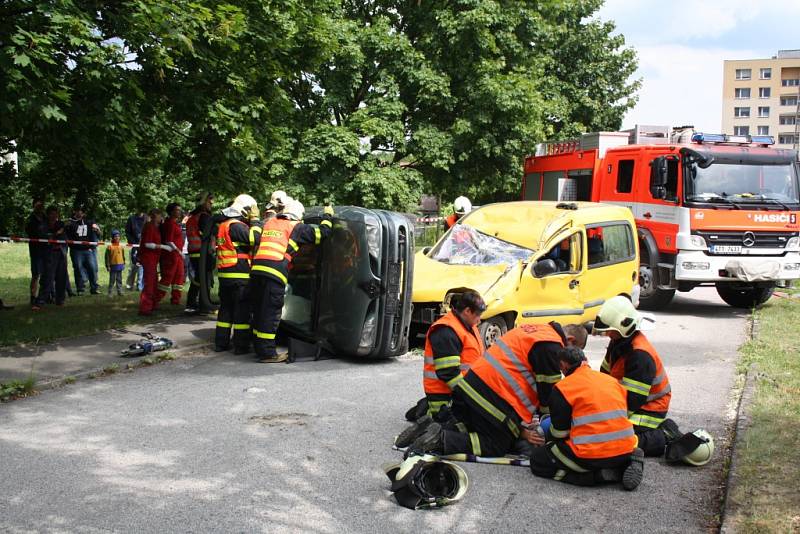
57	241
429	219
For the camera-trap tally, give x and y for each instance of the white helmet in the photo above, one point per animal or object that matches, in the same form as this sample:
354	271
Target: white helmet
462	206
241	206
279	198
702	454
294	210
617	314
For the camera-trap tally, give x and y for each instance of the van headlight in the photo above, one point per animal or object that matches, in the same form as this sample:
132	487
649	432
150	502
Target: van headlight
374	239
793	243
368	333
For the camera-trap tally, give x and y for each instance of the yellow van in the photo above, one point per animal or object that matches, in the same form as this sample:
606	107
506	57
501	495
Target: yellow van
532	262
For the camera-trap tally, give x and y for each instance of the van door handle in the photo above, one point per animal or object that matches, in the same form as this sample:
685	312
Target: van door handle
647	215
574	283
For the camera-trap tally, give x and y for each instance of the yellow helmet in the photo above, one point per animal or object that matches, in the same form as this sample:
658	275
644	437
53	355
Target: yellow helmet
617	314
702	454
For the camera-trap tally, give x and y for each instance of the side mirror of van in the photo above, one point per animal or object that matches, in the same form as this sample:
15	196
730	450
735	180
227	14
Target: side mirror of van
544	267
426	250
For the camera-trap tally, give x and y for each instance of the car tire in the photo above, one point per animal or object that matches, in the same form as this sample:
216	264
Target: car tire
651	297
492	328
743	297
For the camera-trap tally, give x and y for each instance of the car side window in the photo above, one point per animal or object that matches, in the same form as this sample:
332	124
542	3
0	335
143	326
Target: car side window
567	254
609	243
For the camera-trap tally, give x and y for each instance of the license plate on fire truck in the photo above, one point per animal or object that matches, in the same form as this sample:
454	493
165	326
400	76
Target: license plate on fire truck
725	249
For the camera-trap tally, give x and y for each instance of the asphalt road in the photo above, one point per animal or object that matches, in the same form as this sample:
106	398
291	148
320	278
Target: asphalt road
217	443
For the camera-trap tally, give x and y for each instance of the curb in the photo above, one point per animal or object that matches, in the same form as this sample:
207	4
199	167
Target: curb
54	383
729	507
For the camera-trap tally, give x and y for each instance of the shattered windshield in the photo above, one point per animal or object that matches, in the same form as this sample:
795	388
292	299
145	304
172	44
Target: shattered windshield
743	183
464	245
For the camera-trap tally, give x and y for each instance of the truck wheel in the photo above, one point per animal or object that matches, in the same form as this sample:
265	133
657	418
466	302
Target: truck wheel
743	296
491	329
651	297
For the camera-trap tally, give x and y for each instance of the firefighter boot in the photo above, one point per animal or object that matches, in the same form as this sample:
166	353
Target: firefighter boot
634	473
414	431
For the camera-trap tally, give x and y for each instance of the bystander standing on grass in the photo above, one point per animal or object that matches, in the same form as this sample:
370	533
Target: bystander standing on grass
115	263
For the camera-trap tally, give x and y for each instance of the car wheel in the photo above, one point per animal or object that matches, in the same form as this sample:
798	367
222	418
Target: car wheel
743	297
650	296
491	329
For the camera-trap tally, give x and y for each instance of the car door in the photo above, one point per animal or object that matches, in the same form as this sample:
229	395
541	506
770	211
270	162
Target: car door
611	265
555	296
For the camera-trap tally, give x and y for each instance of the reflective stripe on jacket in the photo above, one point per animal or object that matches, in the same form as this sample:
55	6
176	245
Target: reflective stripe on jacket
272	255
506	369
600	426
472	348
658	393
233	257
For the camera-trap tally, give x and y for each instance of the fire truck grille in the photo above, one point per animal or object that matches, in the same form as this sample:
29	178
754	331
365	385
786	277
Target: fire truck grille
748	239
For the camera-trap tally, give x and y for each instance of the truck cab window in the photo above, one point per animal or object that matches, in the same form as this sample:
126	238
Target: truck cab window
625	176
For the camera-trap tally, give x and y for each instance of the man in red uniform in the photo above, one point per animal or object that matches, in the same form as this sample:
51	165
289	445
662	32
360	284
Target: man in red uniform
280	240
589	439
172	270
195	225
149	253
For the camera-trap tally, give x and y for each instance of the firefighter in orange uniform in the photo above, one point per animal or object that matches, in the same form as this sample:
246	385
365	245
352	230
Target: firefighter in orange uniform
452	344
590	439
197	221
150	249
503	391
236	240
172	271
631	359
280	240
461	206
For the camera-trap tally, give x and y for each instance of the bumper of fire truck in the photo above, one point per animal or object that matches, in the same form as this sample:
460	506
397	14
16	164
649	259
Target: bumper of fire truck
698	266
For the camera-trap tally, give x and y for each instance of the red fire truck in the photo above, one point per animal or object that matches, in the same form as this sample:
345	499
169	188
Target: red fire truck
710	208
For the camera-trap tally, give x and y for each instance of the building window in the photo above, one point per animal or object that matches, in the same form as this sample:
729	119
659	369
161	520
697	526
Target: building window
787	119
742	92
743	74
788	101
786	139
763	111
764	92
766	74
741	130
625	176
741	113
763	130
790	82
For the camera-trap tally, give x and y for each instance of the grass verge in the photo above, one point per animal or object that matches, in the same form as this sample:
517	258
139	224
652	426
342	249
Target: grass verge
17	388
765	494
79	316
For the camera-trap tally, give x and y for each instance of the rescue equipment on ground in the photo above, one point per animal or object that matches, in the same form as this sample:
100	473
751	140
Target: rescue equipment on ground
149	343
421	482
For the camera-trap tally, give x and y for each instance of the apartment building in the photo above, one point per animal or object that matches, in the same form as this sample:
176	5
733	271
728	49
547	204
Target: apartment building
761	97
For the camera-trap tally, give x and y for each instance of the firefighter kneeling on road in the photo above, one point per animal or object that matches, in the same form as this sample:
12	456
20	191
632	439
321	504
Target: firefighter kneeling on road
502	393
590	439
452	344
632	360
236	240
281	238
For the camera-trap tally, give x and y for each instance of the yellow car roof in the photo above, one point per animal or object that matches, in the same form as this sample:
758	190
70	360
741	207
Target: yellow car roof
524	222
